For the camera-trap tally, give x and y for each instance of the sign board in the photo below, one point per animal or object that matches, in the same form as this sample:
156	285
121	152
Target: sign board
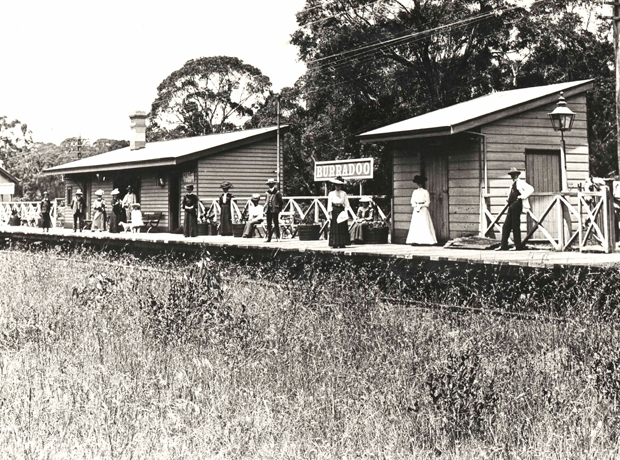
360	168
188	177
7	188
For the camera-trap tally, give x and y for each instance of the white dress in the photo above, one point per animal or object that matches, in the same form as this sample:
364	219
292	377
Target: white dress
421	230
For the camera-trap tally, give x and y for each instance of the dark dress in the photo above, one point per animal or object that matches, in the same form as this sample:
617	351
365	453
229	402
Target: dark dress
226	215
190	205
46	206
338	233
118	213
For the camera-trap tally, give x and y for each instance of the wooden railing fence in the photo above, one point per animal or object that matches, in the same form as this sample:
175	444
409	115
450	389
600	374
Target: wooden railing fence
28	212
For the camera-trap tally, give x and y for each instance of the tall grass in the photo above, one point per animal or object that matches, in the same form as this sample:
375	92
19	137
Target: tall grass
114	356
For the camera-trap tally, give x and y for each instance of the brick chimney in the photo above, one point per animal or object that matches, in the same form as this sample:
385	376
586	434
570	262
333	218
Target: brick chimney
138	125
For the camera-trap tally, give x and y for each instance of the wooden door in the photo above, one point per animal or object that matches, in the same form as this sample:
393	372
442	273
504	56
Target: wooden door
435	169
542	171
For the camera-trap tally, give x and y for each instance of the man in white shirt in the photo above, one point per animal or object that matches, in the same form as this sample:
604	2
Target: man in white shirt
255	216
517	199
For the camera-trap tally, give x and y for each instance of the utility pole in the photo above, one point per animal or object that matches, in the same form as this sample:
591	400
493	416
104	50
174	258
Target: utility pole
278	171
616	20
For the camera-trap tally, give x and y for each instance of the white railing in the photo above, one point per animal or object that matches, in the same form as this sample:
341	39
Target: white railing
28	212
299	207
591	224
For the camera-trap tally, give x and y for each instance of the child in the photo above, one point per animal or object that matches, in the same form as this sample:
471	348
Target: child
136	218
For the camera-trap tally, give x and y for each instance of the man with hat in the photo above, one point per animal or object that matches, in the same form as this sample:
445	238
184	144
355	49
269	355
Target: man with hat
273	205
190	206
78	206
128	200
45	208
255	215
517	200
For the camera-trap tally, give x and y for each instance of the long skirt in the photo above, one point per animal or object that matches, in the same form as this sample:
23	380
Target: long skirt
226	221
421	230
98	221
46	220
114	222
338	233
357	232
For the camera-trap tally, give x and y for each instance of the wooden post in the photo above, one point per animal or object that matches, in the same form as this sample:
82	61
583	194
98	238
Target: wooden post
611	212
616	20
560	223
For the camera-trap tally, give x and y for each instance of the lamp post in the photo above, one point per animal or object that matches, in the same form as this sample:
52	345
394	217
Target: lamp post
562	119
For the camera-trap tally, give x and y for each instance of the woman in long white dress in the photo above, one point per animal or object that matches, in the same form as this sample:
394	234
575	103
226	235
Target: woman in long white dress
421	230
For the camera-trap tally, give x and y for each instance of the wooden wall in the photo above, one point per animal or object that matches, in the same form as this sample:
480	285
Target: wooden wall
507	142
248	168
153	197
509	138
5	197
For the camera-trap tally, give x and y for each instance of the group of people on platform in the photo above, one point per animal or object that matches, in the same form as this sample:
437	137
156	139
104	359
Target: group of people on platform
126	214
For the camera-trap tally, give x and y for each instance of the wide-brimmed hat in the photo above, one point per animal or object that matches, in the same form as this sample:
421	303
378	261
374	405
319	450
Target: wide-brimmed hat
189	187
256	196
338	180
419	179
78	192
135	205
365	199
115	192
45	192
226	184
99	192
514	170
129	186
271	182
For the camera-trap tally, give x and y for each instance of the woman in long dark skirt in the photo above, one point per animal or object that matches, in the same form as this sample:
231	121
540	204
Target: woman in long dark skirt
225	203
337	203
118	213
46	207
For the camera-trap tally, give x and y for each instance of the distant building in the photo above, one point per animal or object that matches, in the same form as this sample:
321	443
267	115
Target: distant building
159	171
466	150
7	184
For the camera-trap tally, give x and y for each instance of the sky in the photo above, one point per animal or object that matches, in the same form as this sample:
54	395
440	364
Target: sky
74	68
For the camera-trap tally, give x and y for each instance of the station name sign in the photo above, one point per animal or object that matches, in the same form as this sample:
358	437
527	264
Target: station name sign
360	168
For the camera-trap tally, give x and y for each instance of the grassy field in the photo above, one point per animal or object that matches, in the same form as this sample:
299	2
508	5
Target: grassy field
115	357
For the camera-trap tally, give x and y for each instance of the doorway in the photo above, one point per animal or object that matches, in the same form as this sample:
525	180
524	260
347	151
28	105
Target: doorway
435	168
543	172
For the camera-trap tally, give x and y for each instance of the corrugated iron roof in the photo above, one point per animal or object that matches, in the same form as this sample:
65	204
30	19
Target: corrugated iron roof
476	112
163	153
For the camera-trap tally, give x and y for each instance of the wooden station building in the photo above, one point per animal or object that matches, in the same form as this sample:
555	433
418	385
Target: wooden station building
159	171
466	150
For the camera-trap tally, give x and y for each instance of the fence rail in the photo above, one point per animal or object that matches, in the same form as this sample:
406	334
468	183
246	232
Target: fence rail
28	212
591	224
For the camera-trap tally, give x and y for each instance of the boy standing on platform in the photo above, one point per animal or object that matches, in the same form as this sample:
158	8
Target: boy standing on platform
517	199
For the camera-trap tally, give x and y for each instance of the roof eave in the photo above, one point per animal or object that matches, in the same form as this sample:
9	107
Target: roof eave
9	176
404	135
520	108
114	167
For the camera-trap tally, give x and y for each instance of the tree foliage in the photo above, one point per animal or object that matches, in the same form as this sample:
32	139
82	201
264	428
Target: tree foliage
206	95
371	63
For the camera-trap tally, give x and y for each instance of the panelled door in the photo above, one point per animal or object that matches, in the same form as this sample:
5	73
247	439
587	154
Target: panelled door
542	171
436	171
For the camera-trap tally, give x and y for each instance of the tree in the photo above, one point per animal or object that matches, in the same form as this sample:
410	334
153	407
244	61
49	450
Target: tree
373	63
206	95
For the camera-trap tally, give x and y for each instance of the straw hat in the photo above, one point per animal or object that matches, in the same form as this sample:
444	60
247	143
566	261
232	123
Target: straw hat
338	180
365	199
78	192
99	192
256	196
271	182
115	192
136	205
226	184
513	171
